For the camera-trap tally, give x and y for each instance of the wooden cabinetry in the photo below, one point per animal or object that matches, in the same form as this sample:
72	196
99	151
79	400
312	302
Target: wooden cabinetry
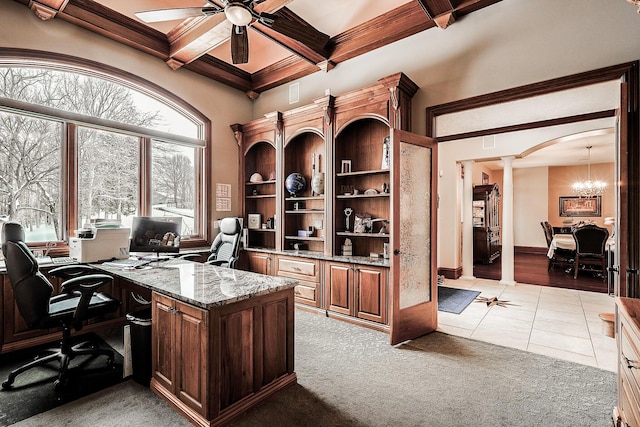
260	262
357	290
390	194
258	175
362	189
486	223
212	365
627	413
307	272
180	351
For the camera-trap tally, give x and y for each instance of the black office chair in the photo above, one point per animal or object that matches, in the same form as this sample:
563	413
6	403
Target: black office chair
564	257
77	302
590	249
226	245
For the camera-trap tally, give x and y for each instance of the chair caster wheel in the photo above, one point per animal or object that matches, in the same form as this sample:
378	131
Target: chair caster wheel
59	386
7	385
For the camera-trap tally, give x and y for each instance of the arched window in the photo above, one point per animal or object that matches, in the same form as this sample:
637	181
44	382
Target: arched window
81	142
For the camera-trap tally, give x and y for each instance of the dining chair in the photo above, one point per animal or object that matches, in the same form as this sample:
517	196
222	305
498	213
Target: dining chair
561	256
591	249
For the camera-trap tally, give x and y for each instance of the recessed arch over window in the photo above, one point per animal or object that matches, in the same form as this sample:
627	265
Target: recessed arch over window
81	141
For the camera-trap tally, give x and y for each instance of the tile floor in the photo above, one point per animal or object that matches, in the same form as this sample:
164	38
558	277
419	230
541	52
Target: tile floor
555	322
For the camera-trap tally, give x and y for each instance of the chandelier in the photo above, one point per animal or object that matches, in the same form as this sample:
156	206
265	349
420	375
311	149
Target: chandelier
636	3
589	188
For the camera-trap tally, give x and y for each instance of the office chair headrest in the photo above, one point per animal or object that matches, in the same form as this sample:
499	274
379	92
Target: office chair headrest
229	225
12	231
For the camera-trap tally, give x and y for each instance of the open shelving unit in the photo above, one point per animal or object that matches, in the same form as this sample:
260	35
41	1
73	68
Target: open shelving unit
304	213
260	196
361	144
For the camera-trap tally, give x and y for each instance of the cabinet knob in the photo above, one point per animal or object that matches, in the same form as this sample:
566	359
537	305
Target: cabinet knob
396	251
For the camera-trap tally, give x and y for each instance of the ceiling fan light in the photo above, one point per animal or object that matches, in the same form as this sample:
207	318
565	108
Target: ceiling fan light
238	14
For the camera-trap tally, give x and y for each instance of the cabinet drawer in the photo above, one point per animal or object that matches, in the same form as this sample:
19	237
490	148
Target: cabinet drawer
305	292
630	355
629	404
298	269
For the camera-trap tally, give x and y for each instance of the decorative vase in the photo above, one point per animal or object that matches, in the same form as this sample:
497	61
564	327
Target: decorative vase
317	183
295	183
386	145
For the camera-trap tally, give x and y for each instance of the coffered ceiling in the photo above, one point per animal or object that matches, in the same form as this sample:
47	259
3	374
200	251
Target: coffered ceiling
306	36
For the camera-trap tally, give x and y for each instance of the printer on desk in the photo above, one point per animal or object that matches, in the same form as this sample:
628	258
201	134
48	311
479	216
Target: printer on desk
100	244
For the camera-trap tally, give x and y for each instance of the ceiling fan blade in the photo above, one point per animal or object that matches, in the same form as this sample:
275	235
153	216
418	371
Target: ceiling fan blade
177	13
239	45
295	30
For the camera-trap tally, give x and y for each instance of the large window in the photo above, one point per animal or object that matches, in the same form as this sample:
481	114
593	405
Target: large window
81	144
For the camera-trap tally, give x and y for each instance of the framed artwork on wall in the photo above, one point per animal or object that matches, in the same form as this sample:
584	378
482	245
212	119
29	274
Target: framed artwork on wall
580	206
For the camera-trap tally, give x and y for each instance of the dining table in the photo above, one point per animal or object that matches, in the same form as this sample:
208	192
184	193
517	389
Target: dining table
566	241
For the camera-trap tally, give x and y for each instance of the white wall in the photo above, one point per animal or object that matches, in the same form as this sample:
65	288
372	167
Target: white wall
20	28
530	205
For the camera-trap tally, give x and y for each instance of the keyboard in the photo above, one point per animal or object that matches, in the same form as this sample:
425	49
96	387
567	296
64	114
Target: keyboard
126	263
63	260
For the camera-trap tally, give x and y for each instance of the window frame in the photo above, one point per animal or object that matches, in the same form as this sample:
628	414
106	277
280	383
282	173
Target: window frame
71	121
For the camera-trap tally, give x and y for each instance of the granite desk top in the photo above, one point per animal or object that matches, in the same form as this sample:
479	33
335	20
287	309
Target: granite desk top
201	285
378	262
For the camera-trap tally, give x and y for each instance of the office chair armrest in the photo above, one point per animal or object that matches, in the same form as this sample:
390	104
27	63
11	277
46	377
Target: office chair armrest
67	272
231	262
216	262
87	286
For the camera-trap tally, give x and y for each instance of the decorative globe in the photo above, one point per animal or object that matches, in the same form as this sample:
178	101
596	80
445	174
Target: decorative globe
295	183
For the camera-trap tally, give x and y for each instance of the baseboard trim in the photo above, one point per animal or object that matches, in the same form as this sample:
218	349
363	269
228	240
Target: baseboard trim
530	250
450	273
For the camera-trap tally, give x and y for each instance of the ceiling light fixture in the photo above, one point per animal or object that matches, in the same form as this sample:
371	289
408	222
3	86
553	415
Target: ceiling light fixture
589	188
238	14
635	3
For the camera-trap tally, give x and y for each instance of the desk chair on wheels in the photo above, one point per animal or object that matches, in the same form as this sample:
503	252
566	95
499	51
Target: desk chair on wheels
226	245
77	302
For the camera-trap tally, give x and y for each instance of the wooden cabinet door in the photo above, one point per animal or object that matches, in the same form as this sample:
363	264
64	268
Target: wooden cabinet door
259	262
340	287
191	367
162	338
371	285
179	340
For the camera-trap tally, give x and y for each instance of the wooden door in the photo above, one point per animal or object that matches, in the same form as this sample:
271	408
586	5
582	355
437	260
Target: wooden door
339	281
414	306
191	353
259	262
162	338
371	284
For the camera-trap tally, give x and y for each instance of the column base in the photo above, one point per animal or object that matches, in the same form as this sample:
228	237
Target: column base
508	282
467	278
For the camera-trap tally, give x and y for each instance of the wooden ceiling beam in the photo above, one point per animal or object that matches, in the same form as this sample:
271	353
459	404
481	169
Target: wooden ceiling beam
47	9
394	25
306	41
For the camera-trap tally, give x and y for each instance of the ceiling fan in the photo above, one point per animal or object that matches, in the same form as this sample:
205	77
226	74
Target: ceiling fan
241	14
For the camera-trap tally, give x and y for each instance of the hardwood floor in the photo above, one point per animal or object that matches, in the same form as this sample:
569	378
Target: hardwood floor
532	269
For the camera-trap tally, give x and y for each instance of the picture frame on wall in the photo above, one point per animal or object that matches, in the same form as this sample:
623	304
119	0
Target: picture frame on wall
580	206
254	221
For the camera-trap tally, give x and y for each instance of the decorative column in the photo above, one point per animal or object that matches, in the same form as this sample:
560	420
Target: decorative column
507	223
467	221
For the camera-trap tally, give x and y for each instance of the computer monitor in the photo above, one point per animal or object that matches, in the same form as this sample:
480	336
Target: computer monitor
155	234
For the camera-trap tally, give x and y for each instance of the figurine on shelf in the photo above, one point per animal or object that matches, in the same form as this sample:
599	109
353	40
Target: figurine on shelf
347	248
347	212
317	178
386	145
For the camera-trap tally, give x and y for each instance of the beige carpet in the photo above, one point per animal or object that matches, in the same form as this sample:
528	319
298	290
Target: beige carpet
351	376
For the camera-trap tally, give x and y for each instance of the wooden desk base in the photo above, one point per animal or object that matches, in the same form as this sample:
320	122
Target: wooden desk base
213	365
